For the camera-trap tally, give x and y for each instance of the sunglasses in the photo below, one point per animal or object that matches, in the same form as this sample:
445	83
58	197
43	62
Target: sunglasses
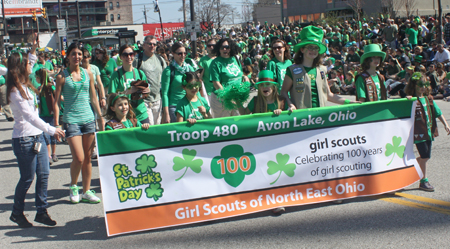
151	44
225	47
211	45
312	48
193	86
181	53
276	48
128	54
423	84
86	56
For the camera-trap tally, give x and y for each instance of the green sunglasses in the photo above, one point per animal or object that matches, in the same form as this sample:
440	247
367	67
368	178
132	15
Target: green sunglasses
423	84
192	86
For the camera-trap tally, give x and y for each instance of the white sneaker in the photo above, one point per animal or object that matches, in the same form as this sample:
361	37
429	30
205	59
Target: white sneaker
74	195
90	197
94	154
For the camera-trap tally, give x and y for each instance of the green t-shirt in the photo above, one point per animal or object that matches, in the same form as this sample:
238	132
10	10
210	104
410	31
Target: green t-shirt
39	65
119	84
412	36
172	92
127	124
279	70
247	61
190	109
312	73
401	74
44	112
106	71
361	86
226	70
424	101
349	82
2	79
204	63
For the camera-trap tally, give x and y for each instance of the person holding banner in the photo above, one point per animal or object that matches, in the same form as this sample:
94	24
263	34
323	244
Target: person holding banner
171	83
268	99
123	79
192	107
425	127
120	115
27	140
370	84
77	86
305	84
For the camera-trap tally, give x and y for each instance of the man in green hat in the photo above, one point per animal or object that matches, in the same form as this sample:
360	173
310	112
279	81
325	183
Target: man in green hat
370	84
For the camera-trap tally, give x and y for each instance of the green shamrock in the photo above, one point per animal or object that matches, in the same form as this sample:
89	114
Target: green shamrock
395	148
281	166
145	163
154	191
232	157
187	162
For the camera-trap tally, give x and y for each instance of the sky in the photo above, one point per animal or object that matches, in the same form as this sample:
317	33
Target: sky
169	10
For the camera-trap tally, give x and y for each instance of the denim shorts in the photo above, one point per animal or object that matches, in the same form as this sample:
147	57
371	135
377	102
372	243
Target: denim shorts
79	130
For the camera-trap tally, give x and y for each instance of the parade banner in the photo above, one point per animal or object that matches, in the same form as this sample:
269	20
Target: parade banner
176	174
155	29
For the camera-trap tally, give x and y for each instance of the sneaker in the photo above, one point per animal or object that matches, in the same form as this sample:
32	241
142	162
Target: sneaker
426	186
54	158
74	195
10	119
94	154
45	219
90	197
278	210
21	220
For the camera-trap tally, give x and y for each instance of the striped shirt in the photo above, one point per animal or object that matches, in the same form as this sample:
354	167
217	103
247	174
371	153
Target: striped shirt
77	108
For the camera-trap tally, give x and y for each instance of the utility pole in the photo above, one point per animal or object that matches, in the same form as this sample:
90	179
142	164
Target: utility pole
184	12
440	22
61	41
145	14
218	13
194	43
232	16
78	20
5	32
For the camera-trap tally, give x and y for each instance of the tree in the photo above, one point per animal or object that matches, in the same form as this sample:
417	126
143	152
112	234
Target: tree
207	13
410	7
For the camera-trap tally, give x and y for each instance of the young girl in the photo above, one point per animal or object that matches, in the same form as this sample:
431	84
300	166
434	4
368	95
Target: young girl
370	84
192	107
349	84
47	97
267	99
425	122
120	114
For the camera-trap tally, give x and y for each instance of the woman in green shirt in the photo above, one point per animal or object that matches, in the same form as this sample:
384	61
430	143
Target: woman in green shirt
305	84
226	69
171	83
105	64
281	60
121	81
77	86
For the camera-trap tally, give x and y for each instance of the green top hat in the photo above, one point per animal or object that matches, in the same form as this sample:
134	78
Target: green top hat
266	76
372	50
311	35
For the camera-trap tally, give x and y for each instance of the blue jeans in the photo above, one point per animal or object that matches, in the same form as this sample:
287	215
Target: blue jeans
49	140
30	164
172	113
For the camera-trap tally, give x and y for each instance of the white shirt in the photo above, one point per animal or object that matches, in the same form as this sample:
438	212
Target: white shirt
441	57
26	114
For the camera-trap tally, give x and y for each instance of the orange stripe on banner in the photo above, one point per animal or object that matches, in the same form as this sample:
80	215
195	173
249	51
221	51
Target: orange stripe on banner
153	217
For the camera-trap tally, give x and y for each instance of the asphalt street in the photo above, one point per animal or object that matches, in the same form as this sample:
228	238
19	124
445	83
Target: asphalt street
406	219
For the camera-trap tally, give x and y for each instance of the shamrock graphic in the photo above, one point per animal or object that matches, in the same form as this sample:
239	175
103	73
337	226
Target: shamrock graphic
281	166
145	163
395	148
187	162
233	69
154	191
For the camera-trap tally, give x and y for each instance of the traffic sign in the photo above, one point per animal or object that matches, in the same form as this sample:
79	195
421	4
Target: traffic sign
193	26
62	33
61	24
6	39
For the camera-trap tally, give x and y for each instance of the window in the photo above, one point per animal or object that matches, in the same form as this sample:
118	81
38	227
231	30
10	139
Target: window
118	16
118	5
87	18
111	7
111	17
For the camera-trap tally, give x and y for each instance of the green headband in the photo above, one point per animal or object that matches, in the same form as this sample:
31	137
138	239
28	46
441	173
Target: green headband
118	96
20	55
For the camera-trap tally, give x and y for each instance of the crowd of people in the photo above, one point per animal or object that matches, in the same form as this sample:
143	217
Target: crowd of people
287	66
